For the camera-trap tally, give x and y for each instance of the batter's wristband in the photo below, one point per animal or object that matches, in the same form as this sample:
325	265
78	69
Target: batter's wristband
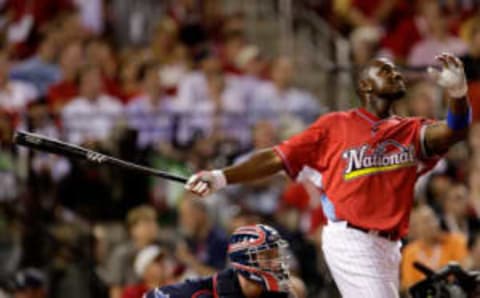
459	122
220	179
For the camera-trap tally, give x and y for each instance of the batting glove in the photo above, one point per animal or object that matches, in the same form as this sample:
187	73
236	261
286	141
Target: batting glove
451	76
206	182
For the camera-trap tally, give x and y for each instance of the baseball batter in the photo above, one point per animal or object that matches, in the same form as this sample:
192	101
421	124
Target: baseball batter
366	162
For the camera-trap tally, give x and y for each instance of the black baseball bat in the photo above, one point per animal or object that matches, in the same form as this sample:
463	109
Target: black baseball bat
42	143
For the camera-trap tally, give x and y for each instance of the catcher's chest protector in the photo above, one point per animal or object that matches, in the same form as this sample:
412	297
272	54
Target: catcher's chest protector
226	285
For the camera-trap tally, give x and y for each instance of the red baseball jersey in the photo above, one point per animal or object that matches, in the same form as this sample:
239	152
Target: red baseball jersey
365	166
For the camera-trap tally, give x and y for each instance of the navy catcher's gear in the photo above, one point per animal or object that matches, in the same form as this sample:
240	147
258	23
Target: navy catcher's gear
259	254
222	285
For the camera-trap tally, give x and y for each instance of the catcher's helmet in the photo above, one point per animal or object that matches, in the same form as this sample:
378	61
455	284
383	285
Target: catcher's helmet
259	254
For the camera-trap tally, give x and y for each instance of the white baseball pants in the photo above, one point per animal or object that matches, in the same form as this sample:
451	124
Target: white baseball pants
362	265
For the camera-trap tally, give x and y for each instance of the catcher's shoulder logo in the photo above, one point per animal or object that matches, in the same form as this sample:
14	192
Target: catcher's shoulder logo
386	156
156	294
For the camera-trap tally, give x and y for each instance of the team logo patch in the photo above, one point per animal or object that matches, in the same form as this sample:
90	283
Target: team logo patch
160	294
387	156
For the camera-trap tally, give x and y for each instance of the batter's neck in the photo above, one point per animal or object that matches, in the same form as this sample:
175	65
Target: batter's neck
381	108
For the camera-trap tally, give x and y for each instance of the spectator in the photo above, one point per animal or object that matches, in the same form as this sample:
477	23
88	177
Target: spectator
155	269
252	66
47	170
10	237
90	118
240	217
165	40
40	70
474	139
437	186
71	60
13	167
70	28
280	100
28	19
474	182
212	104
234	42
152	113
30	283
261	196
173	71
432	247
193	88
365	13
365	44
471	61
473	262
399	41
143	231
455	210
203	249
14	95
133	22
100	53
128	78
423	100
304	199
293	220
437	41
91	13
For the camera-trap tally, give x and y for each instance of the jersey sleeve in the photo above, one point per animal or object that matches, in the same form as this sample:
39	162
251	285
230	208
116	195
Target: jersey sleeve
303	149
427	161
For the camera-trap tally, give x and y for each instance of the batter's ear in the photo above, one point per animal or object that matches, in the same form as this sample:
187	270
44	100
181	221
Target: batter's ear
365	86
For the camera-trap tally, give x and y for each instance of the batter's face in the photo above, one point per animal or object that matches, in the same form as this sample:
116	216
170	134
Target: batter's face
385	80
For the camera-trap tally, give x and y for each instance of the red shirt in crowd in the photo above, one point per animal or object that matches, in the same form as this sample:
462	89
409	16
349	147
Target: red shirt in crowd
368	166
42	11
296	196
61	93
135	291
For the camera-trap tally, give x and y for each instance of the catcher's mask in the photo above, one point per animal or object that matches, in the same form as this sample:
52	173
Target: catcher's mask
260	254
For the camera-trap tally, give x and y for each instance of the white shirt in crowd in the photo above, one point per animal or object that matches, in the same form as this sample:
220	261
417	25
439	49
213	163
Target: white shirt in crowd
423	52
154	122
199	109
249	84
269	103
192	88
16	96
85	119
92	14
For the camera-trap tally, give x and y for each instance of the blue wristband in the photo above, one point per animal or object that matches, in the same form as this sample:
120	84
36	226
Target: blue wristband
459	122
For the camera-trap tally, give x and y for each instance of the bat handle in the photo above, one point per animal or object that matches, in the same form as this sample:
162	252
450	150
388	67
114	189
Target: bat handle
172	177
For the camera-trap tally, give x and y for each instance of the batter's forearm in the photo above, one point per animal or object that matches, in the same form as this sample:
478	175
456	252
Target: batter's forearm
260	165
442	135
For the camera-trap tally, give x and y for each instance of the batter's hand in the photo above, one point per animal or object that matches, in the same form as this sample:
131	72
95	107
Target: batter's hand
451	76
206	182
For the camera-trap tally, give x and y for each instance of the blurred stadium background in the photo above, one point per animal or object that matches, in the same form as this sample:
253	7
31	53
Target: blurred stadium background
187	85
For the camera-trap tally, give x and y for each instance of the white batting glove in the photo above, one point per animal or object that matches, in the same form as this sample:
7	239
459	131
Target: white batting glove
206	182
451	76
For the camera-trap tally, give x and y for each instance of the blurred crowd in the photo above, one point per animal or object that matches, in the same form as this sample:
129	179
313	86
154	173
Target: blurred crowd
178	85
